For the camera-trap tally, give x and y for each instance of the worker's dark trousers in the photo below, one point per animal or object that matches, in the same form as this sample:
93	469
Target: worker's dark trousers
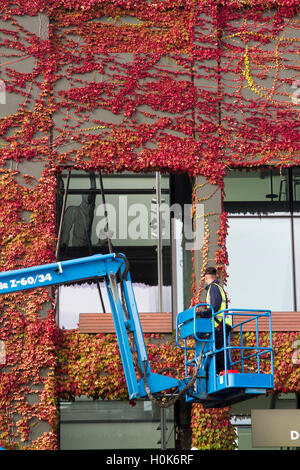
220	362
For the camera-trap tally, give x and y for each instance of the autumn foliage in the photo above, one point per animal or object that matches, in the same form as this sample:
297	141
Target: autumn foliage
131	85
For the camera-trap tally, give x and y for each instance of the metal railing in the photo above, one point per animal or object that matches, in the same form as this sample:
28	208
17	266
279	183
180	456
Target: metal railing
247	352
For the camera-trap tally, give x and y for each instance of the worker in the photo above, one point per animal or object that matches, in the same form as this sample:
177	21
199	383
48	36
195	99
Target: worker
216	297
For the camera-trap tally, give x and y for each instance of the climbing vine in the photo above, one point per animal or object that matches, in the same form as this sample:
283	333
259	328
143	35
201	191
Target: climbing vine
183	86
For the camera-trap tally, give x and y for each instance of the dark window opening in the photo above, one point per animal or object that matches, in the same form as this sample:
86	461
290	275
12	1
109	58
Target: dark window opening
262	190
84	227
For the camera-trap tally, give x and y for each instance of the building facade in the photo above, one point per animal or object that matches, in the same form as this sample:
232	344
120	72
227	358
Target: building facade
193	106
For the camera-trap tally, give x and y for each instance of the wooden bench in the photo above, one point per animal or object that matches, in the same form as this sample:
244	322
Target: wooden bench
281	321
162	322
103	322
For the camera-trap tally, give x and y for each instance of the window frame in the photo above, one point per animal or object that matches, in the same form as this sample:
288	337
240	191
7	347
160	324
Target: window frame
289	209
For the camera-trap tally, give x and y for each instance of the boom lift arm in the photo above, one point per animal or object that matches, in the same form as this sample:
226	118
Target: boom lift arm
194	335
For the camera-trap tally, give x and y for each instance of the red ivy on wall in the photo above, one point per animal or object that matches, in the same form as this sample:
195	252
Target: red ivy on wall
180	86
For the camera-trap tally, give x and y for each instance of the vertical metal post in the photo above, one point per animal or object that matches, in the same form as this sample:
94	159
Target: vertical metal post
271	345
108	239
174	262
159	242
291	196
62	213
257	345
105	212
177	267
163	426
242	347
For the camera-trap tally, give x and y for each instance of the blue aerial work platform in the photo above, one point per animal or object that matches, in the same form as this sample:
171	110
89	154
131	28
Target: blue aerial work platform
196	336
243	376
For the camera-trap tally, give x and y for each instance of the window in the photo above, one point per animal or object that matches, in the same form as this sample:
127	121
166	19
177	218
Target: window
260	263
87	424
128	219
130	201
257	190
263	238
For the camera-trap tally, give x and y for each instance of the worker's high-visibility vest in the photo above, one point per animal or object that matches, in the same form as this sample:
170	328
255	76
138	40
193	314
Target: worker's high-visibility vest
219	318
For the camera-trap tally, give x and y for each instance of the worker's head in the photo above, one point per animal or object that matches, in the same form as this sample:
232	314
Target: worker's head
210	275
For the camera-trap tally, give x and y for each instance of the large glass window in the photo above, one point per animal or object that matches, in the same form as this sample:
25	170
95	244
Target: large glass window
263	238
119	212
296	235
87	424
130	224
260	263
257	190
116	212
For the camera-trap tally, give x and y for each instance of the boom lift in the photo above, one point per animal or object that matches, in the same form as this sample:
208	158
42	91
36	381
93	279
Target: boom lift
196	336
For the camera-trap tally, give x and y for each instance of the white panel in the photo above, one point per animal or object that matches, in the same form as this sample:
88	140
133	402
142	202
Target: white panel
84	298
260	264
297	258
